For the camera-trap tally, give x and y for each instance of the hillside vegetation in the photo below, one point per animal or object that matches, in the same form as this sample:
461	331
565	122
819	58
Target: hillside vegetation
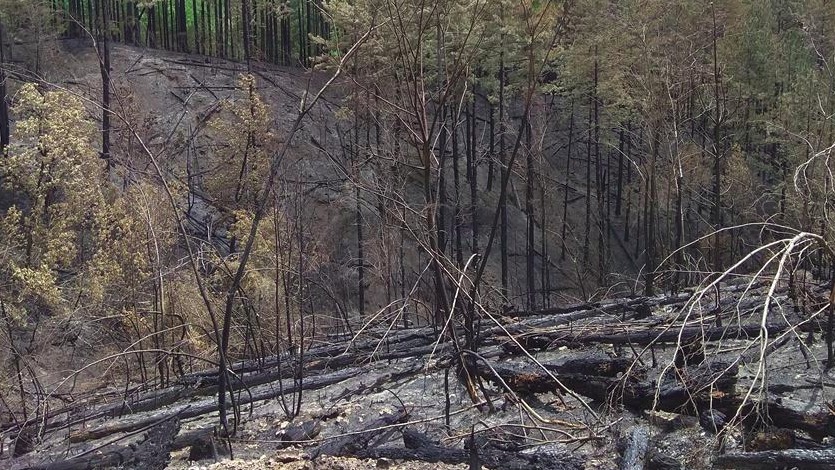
268	193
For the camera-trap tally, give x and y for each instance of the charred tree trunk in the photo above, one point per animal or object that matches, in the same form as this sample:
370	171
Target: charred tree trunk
4	106
104	67
355	156
629	191
567	174
587	231
456	177
247	33
619	196
530	230
182	26
600	184
650	217
492	153
504	174
473	176
716	208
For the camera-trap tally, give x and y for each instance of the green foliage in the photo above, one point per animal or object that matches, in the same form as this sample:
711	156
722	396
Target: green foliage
244	146
56	177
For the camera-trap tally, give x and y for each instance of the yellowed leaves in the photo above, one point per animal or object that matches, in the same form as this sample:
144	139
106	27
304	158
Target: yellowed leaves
243	149
55	177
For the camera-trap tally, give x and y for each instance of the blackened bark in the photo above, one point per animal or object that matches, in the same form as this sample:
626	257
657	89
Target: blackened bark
503	164
492	153
600	184
456	176
567	173
619	197
716	208
4	107
587	232
104	67
247	23
473	180
629	191
530	228
650	216
182	26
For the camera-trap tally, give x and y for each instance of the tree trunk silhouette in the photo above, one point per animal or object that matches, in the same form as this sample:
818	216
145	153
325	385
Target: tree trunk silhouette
104	67
503	165
567	175
650	217
473	177
530	247
600	184
587	231
456	177
492	153
629	189
246	21
619	196
4	106
716	208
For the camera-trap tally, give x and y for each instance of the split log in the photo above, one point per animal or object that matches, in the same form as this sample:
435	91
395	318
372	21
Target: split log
203	443
25	441
635	454
660	461
792	458
304	431
352	444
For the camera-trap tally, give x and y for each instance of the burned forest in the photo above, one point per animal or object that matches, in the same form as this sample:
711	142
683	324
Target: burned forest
417	234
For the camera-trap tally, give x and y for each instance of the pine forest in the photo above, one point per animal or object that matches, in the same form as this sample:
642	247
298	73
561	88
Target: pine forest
417	234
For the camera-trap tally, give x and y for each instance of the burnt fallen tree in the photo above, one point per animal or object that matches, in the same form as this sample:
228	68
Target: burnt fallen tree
419	447
249	374
698	384
189	411
711	386
151	452
790	458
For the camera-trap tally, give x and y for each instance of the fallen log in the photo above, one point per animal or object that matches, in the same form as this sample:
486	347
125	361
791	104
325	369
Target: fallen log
659	461
710	386
635	453
191	411
304	431
152	453
675	334
620	306
203	444
425	450
641	336
205	383
642	304
530	379
791	458
171	395
602	366
353	443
